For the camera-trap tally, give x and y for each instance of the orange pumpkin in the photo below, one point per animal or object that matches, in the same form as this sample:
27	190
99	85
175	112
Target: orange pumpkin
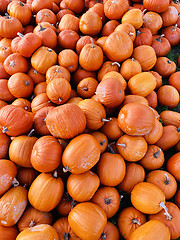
102	139
173	165
129	220
110	232
8	233
129	68
115	9
155	134
26	176
42	231
87	220
4	145
81	154
15	201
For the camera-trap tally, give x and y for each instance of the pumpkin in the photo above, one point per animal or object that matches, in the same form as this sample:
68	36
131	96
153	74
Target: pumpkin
129	220
91	57
81	154
108	199
35	76
15	200
46	15
80	74
40	101
102	139
77	7
4	145
138	173
107	66
87	220
63	229
170	16
109	27
32	217
134	17
82	42
66	204
86	88
164	180
116	75
42	231
169	117
3	73
110	92
177	198
40	88
110	232
132	148
127	28
143	37
173	80
22	102
46	191
165	67
158	79
156	6
153	21
11	125
115	9
161	45
114	43
40	158
20	85
173	165
155	134
135	98
148	198
172	33
87	182
152	99
69	59
136	119
111	169
171	223
129	68
66	121
8	232
153	159
151	229
94	112
40	4
25	176
43	58
68	39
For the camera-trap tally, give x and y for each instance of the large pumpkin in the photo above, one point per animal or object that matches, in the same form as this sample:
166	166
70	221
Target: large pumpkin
66	121
87	220
81	154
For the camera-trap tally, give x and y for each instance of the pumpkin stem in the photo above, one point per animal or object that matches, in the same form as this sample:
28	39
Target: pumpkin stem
108	200
66	169
156	154
92	43
26	83
166	181
4	130
15	182
20	35
73	204
26	108
138	32
135	221
60	99
49	50
58	70
55	174
85	89
66	236
115	63
143	12
174	28
168	215
168	61
33	96
31	132
102	142
41	27
122	145
178	129
7	16
32	223
12	63
103	236
34	71
68	197
110	149
159	39
131	34
132	59
106	120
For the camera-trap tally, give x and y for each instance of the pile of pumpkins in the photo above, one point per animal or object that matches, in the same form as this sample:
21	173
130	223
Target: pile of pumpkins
80	82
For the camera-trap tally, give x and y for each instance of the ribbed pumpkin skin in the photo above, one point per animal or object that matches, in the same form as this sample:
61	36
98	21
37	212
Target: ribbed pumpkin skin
150	231
66	121
8	171
146	197
82	187
110	232
87	221
45	192
39	232
8	233
81	154
12	205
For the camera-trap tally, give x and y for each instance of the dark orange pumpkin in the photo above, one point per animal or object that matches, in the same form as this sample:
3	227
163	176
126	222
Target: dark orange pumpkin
8	233
4	145
110	232
173	165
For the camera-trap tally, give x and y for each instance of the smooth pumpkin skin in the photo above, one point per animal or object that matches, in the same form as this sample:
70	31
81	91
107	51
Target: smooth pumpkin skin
4	145
81	154
146	198
39	232
8	233
87	220
150	230
110	232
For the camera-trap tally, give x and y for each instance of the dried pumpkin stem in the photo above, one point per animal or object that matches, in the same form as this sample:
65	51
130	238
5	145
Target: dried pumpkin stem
135	221
122	145
26	83
138	32
131	34
31	132
85	89
156	154
115	63
159	39
103	236
166	181
66	236
41	27
174	28
20	35
92	43
73	204
4	130
60	99
110	149
178	129
32	223
132	59
106	120
66	169
55	174
15	182
7	16
102	142
168	215
108	200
